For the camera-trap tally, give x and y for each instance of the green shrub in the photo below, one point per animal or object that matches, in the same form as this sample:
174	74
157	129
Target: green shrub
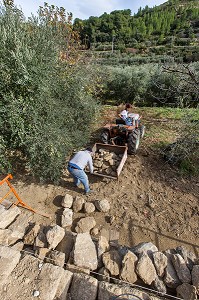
46	110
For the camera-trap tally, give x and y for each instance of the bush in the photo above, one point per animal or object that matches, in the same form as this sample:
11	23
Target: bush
185	151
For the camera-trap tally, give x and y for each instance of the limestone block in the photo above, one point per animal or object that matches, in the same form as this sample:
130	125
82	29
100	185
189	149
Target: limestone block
149	248
188	256
85	225
78	204
7	216
112	262
67	201
171	278
23	222
128	267
186	291
54	236
67	217
63	287
145	263
85	254
66	244
181	268
9	258
83	287
160	262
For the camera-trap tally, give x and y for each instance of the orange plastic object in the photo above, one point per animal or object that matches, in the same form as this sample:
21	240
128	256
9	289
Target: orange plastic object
19	201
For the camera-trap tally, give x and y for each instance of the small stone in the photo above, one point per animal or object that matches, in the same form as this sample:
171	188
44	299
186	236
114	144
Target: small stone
102	205
89	207
36	293
67	201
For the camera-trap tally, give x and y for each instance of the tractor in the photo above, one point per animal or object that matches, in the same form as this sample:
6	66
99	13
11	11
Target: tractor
121	134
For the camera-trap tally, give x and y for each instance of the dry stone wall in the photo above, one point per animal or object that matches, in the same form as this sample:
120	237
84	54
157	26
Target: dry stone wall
53	263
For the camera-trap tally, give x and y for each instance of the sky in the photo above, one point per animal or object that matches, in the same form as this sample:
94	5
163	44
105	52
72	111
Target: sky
83	9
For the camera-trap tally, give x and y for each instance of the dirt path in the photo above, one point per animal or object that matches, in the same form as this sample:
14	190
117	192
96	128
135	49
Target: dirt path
149	202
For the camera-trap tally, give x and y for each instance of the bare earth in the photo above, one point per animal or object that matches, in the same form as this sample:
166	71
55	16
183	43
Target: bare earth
149	202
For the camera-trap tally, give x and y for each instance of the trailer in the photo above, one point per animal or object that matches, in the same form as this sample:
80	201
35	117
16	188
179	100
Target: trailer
120	151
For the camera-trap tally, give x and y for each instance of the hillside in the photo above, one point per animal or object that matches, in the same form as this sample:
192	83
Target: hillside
171	28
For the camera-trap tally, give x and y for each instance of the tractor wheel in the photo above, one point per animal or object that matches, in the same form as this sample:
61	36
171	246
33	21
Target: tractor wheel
133	141
142	129
105	137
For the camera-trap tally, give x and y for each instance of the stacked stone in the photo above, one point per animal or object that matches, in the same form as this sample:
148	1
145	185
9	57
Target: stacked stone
80	255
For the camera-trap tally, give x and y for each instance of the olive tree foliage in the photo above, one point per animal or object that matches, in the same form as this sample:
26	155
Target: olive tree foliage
175	85
45	109
185	150
127	84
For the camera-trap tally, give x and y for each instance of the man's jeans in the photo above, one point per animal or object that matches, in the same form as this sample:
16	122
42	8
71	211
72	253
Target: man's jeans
79	176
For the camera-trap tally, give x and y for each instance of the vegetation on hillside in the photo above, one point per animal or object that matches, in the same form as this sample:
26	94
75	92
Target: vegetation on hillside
164	29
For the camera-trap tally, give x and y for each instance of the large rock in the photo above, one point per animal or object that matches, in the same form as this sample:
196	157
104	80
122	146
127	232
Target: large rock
66	244
181	268
145	269
195	277
67	217
62	290
7	216
30	277
102	245
78	204
171	278
189	257
187	292
9	237
83	287
67	201
128	267
9	258
149	248
41	240
84	253
54	236
49	281
160	262
30	236
102	205
85	225
23	222
112	262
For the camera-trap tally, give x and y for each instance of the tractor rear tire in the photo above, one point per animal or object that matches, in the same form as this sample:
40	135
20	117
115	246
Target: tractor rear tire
142	129
133	141
104	137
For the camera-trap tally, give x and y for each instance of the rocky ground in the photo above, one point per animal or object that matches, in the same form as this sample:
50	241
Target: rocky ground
149	202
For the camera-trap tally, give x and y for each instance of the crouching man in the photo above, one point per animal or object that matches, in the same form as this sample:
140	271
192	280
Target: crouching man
76	167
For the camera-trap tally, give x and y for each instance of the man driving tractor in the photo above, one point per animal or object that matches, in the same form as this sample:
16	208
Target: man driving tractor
129	118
